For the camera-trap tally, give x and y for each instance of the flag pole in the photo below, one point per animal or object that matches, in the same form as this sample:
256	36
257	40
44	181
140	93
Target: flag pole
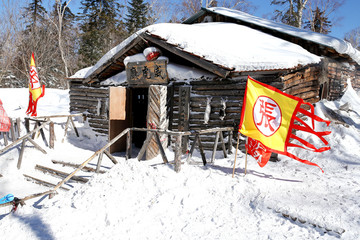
237	145
246	154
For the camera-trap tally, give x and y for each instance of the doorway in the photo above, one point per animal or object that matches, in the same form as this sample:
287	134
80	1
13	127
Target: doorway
139	97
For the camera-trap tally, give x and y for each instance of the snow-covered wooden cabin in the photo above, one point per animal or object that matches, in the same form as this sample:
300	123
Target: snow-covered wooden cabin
199	81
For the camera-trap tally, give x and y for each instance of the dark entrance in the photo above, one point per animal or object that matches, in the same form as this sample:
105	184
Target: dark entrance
139	101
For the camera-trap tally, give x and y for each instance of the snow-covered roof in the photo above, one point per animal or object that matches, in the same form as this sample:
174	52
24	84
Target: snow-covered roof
234	46
339	45
228	45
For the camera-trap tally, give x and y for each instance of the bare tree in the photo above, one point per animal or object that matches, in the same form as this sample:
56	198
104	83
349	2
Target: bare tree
10	34
60	9
353	37
291	13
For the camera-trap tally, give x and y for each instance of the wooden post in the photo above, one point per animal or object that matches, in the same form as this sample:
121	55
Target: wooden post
66	127
230	136
178	152
42	134
223	144
99	162
128	145
145	145
73	124
215	147
12	130
202	153
21	154
51	135
108	154
27	124
5	138
192	148
237	146
163	155
18	124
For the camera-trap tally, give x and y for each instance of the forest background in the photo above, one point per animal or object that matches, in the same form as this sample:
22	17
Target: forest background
69	35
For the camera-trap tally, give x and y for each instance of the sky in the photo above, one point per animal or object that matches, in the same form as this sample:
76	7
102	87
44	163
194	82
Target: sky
349	11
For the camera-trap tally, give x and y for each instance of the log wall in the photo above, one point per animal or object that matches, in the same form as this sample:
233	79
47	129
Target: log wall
221	98
338	73
93	102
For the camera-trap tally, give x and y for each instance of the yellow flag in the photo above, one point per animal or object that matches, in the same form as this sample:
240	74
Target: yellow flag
268	113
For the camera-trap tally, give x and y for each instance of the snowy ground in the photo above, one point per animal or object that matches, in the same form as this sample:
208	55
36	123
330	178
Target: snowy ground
148	200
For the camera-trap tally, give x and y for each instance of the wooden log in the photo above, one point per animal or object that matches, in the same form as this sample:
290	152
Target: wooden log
215	147
99	162
12	130
128	145
42	134
145	145
192	148
36	145
21	154
111	157
42	182
85	169
162	152
202	153
61	174
51	135
18	127
223	144
60	116
6	142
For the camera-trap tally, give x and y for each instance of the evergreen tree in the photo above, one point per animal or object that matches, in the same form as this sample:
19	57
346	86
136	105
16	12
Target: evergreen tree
136	18
35	14
100	29
319	22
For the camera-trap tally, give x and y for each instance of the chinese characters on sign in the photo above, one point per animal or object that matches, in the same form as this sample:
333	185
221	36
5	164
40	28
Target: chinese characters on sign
145	73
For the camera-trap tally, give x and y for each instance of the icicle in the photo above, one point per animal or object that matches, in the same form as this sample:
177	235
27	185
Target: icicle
207	110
